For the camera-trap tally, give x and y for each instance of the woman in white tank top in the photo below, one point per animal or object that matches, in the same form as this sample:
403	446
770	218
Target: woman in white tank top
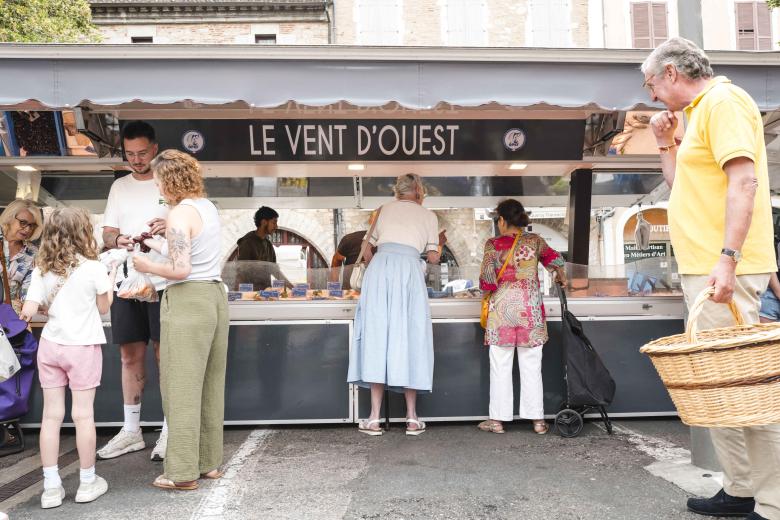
193	324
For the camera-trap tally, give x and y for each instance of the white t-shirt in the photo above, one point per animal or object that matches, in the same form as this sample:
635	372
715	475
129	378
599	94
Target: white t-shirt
131	205
73	317
408	223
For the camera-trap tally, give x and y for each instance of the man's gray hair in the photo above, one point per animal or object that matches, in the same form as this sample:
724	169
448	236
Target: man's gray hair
407	184
684	55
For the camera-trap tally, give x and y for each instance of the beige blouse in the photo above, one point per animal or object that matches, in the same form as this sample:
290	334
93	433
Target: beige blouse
406	222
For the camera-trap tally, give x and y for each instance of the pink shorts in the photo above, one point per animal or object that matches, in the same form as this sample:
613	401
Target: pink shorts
77	366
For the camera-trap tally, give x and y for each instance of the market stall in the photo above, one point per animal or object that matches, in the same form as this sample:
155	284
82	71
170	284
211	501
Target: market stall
478	126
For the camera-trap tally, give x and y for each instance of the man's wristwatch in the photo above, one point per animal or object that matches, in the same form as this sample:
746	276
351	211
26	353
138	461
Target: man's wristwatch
735	255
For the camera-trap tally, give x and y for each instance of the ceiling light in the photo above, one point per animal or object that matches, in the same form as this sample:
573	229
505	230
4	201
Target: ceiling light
26	168
356	167
518	166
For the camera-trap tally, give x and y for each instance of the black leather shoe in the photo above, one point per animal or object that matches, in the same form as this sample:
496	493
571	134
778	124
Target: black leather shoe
755	516
723	504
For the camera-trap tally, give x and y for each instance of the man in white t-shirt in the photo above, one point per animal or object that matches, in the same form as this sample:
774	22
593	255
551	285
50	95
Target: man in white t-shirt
135	206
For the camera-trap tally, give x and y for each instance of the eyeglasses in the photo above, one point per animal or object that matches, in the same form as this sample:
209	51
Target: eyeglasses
138	155
649	86
26	225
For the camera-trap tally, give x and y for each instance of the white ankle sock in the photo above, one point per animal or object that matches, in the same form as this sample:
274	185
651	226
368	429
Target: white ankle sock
51	477
132	418
164	427
87	475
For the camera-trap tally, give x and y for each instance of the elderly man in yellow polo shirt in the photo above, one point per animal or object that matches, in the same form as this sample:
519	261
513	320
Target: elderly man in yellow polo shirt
720	221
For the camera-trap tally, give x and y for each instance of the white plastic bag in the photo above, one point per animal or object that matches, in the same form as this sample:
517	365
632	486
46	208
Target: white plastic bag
9	363
137	286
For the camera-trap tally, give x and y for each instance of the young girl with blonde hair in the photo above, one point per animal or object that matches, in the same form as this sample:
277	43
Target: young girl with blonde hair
70	281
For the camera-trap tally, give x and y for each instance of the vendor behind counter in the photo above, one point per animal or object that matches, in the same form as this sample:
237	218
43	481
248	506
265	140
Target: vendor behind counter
256	246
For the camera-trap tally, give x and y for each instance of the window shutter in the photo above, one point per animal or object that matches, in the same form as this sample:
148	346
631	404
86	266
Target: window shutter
550	23
763	27
456	22
378	22
640	21
659	25
746	31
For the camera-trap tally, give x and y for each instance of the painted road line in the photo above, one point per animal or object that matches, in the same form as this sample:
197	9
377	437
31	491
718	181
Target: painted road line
221	493
672	463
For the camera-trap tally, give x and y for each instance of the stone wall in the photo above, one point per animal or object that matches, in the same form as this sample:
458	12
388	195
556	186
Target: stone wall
294	33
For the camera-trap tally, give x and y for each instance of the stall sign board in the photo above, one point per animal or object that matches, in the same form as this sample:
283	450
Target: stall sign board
283	140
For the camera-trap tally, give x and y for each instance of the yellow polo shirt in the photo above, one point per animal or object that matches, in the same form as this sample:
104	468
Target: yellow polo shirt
723	123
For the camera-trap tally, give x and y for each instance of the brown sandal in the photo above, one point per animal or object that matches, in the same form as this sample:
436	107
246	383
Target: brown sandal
165	483
541	427
491	426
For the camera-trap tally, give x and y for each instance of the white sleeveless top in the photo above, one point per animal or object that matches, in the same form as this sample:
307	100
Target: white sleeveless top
205	245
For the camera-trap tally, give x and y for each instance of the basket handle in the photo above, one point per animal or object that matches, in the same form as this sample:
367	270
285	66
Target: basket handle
691	328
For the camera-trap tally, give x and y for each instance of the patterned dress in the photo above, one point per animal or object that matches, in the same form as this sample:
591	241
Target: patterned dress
516	313
20	269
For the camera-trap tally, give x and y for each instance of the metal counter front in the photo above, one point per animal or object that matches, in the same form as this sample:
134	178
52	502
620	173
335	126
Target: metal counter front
287	362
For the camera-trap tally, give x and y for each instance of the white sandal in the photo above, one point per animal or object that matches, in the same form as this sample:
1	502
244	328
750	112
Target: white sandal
417	431
364	426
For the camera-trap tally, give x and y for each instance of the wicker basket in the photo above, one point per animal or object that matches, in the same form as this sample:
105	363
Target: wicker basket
726	377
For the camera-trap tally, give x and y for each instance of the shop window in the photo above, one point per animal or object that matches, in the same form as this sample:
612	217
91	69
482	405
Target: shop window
754	26
379	22
265	39
649	24
141	39
550	23
464	23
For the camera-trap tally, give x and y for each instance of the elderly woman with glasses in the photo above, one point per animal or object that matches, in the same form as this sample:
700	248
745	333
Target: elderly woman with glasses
21	223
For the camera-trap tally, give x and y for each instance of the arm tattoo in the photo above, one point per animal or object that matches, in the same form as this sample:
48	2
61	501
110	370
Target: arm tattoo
178	247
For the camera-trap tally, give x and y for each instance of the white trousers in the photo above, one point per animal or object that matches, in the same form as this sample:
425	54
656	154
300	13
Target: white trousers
529	360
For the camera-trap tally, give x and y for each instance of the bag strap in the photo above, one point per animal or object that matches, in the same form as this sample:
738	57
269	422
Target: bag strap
60	284
364	246
6	281
506	260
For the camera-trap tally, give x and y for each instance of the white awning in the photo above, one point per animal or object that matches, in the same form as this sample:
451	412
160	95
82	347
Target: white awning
184	76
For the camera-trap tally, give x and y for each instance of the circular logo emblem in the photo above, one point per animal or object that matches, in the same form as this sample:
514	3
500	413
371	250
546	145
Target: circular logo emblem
514	139
193	141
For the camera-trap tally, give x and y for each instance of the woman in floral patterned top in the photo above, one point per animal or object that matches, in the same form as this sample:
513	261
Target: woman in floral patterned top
20	223
516	316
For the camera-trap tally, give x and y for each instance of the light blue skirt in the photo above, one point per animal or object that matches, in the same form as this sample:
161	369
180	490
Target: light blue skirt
393	337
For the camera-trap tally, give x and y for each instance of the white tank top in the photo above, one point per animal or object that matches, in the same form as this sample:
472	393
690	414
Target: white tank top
205	245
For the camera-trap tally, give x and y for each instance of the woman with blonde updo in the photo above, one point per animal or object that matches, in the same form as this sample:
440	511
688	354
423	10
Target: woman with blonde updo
193	324
21	223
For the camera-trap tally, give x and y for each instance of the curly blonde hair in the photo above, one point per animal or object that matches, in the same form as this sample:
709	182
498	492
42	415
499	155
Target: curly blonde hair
178	175
68	234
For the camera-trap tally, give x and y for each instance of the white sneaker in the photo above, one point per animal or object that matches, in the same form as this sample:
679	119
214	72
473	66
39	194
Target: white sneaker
52	497
123	442
158	453
91	491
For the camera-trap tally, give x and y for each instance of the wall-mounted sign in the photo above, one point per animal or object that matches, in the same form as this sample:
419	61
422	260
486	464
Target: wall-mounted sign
283	140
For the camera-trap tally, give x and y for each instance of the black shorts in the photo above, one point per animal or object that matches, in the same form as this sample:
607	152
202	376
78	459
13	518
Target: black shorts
133	321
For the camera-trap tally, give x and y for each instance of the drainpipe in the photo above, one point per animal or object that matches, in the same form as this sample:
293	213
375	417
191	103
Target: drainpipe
330	13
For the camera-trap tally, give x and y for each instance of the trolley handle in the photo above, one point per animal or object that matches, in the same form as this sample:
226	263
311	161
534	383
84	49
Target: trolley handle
562	298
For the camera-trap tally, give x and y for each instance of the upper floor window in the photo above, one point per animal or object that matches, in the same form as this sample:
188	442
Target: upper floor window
649	25
265	39
378	22
754	26
464	23
550	23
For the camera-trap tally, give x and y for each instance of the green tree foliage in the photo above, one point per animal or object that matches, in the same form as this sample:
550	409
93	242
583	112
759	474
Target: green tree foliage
773	3
46	21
